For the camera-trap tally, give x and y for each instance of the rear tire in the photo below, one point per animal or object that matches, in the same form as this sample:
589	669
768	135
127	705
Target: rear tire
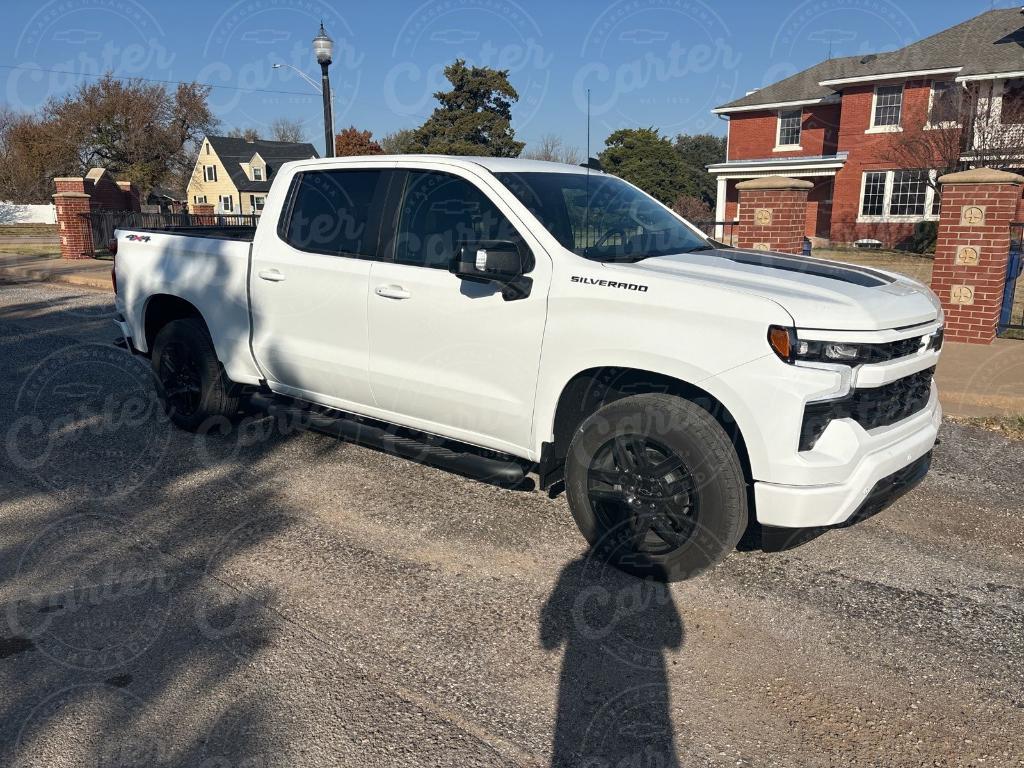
655	485
193	389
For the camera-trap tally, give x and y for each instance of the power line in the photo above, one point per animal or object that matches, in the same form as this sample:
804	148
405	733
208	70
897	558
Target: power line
152	80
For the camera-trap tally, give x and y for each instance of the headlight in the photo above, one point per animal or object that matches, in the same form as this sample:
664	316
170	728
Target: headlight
789	348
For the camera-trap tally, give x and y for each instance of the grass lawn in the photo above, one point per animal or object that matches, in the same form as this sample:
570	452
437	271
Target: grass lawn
30	249
35	230
909	264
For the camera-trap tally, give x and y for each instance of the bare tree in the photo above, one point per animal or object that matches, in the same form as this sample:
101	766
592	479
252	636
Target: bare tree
249	134
32	152
550	147
286	129
962	126
138	131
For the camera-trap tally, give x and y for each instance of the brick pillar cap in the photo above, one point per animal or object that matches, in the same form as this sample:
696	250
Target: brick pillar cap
775	182
70	194
69	178
981	176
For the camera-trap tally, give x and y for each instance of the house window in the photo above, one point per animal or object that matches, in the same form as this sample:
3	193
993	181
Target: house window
944	104
256	202
874	194
789	128
200	198
257	174
1012	111
909	189
888	105
207	149
227	204
209	173
898	194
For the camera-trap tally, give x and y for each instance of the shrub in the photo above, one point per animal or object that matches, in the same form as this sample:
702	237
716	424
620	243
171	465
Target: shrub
923	239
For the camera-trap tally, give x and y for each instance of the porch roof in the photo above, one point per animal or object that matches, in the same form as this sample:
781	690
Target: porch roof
813	165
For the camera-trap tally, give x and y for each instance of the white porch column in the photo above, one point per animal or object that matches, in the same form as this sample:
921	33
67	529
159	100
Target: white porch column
720	208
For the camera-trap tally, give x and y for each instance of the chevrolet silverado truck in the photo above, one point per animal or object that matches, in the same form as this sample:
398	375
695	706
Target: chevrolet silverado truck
501	317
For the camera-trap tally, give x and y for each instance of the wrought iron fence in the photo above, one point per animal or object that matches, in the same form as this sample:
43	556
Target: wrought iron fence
722	231
1011	313
103	223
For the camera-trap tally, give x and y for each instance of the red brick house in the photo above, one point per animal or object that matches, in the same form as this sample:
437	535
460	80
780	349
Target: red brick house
873	132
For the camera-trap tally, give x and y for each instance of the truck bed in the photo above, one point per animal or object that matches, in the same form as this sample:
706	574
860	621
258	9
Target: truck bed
207	267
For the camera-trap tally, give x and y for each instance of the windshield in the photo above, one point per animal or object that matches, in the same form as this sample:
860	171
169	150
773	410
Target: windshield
620	224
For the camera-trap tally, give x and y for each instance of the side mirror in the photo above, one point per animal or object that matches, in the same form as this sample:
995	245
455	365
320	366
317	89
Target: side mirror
502	262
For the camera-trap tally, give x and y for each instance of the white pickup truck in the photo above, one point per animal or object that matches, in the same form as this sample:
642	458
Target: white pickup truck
500	317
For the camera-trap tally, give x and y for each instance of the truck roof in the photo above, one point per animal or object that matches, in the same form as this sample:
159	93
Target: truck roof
493	164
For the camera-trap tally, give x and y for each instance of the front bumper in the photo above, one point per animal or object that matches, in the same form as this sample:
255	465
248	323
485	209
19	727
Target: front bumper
804	506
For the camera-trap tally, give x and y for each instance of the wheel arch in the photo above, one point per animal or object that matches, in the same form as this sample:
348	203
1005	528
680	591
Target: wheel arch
161	309
593	388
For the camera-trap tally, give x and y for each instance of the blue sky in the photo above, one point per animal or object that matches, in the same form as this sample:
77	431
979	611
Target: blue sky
646	62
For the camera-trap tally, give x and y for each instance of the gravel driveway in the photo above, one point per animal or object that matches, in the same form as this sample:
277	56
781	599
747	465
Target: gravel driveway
284	599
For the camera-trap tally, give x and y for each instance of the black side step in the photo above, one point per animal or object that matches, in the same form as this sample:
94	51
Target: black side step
396	441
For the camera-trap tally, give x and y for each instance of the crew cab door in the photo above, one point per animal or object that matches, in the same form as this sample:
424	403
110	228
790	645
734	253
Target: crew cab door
448	355
309	283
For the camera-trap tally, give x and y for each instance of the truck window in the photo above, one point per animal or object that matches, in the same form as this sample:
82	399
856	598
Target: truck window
440	212
602	217
331	212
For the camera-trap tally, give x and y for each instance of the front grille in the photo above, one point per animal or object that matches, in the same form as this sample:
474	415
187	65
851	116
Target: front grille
870	407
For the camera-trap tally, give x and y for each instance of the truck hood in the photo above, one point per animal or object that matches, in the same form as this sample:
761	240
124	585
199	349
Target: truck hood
816	293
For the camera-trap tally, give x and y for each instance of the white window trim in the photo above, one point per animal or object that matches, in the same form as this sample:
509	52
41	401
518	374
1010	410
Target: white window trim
778	132
259	171
945	124
220	203
206	176
898	127
885	218
199	199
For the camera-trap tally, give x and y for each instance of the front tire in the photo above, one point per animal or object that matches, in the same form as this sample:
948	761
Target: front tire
656	487
192	387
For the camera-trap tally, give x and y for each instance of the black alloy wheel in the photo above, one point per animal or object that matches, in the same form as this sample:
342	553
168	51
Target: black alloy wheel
636	480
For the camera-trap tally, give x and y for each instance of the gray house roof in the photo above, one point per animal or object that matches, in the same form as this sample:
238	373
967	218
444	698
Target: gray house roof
988	44
233	151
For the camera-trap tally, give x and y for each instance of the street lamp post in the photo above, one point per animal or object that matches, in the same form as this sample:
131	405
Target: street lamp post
323	47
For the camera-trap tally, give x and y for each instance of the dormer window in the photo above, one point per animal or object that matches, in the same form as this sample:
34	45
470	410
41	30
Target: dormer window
257	174
788	129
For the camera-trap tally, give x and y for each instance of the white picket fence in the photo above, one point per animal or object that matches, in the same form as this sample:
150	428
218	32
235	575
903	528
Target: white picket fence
18	213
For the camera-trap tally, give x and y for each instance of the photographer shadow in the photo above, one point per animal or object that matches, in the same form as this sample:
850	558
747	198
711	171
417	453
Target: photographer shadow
614	702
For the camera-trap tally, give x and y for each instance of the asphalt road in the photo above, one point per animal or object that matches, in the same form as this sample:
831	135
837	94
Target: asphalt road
283	599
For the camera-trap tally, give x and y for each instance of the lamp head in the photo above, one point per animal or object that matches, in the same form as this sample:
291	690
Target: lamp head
323	46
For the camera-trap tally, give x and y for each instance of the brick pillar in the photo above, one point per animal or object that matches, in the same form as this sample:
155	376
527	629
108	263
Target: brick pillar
132	200
202	213
973	249
74	229
773	213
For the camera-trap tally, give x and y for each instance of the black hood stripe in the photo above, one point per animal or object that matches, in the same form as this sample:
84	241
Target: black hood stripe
868	278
